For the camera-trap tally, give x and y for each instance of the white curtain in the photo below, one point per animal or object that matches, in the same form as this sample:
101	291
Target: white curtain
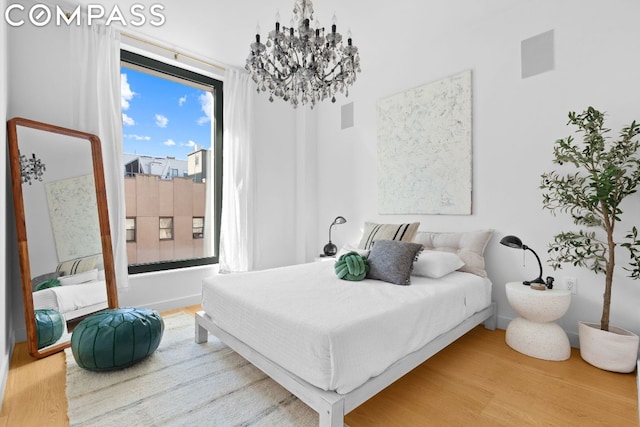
237	222
95	65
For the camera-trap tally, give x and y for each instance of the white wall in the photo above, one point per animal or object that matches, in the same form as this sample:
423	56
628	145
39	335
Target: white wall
405	44
6	333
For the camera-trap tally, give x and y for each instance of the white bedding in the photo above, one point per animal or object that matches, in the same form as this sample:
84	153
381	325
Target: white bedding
72	298
337	334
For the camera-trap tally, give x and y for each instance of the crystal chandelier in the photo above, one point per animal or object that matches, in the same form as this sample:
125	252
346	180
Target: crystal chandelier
31	168
301	64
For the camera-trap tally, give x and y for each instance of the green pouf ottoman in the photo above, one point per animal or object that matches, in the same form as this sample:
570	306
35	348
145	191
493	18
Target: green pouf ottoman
49	326
116	338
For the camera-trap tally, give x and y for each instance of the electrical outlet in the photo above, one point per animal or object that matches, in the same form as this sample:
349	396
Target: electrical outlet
571	283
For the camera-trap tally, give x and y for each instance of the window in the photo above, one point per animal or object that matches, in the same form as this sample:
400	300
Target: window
166	228
172	145
131	229
198	227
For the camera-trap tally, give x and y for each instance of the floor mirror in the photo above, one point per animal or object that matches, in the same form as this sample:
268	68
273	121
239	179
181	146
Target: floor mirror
62	228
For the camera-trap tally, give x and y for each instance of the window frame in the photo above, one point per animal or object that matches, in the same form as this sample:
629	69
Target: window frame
161	228
193	227
134	229
216	154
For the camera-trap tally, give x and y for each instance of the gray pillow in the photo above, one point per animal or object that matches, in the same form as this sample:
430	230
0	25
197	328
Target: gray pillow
392	261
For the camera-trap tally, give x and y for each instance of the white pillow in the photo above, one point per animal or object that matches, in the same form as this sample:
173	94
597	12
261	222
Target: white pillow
352	248
374	231
436	264
468	245
76	279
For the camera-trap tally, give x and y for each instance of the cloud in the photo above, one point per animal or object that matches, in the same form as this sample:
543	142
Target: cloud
206	103
127	121
169	143
161	121
182	100
126	94
190	144
138	137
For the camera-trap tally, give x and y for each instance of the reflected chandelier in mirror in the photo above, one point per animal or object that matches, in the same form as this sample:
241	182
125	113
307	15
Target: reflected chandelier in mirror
62	228
31	168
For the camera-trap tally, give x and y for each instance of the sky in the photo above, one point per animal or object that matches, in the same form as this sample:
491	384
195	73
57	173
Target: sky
162	117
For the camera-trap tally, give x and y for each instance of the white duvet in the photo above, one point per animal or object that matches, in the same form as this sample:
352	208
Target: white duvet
66	299
336	334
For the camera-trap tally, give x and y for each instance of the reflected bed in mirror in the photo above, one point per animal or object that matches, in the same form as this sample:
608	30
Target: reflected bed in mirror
66	257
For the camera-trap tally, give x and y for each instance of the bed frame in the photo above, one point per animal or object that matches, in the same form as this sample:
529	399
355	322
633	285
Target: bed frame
331	406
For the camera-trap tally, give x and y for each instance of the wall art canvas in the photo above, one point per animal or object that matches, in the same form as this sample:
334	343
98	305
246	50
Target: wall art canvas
424	149
73	212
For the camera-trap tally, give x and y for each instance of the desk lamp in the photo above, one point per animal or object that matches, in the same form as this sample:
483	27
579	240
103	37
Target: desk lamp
515	242
330	249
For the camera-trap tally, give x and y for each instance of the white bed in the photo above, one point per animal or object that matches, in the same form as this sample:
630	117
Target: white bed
335	343
73	301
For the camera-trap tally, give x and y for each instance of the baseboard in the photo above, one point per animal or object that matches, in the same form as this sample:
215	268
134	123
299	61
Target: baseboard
4	373
573	339
174	303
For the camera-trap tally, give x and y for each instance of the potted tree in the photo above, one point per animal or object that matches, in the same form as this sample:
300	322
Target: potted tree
602	173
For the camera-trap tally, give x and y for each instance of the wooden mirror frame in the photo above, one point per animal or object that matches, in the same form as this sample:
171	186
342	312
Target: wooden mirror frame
21	230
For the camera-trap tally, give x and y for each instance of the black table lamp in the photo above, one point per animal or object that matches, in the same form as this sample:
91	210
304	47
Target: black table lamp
330	249
515	242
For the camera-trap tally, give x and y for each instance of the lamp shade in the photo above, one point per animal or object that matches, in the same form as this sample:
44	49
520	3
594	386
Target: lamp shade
339	220
512	242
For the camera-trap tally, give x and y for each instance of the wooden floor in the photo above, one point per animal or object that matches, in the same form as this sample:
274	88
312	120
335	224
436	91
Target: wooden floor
476	381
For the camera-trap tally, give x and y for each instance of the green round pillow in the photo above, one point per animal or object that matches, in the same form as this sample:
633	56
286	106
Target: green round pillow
51	283
49	326
116	338
351	266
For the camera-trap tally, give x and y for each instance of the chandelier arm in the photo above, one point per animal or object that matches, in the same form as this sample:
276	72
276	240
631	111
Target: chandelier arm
281	74
339	64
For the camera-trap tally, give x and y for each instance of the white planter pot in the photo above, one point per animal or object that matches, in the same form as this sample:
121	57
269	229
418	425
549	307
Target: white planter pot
615	350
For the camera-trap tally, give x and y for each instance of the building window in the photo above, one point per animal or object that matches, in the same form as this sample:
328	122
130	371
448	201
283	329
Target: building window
166	228
131	229
172	145
198	227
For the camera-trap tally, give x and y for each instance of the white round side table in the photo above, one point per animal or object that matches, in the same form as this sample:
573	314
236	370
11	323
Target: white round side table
535	333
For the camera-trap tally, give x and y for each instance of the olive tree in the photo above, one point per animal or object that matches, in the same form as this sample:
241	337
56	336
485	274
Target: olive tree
601	173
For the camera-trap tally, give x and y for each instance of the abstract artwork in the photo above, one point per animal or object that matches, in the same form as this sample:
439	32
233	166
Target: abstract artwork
424	149
73	211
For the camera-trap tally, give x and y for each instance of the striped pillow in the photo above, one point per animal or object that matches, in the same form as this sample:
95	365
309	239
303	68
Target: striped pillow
78	265
374	231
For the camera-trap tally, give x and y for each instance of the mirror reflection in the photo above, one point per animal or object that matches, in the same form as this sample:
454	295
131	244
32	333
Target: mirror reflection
66	275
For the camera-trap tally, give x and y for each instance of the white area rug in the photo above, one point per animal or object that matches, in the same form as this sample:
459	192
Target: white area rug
183	383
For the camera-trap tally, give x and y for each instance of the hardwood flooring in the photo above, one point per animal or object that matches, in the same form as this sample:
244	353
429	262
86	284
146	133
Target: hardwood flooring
476	381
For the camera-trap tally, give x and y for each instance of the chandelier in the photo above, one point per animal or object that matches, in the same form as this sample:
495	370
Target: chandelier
300	64
31	168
